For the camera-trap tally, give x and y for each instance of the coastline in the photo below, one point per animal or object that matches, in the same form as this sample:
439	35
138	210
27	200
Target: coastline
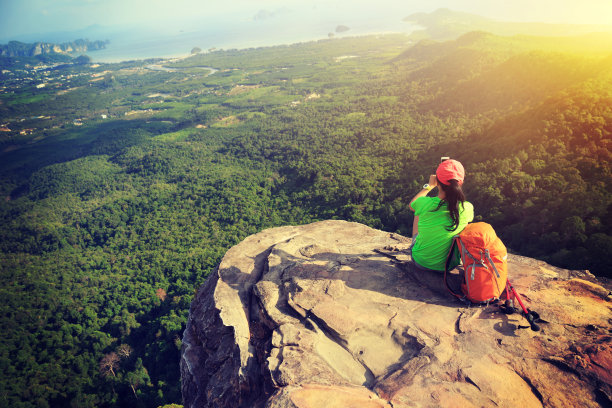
168	47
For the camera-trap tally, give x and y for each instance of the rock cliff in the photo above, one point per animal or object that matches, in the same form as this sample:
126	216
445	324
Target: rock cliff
19	49
331	314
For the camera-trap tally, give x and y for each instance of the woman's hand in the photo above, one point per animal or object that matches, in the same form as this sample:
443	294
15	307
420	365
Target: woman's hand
433	181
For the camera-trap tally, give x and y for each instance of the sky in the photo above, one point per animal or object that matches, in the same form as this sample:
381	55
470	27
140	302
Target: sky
30	17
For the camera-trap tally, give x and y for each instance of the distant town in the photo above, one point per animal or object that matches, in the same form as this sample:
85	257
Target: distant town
51	84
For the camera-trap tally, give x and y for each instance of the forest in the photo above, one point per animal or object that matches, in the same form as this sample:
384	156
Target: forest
123	185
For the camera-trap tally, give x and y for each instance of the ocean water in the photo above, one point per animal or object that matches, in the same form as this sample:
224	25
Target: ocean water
240	32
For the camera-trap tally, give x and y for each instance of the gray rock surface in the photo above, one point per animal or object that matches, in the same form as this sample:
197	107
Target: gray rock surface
331	314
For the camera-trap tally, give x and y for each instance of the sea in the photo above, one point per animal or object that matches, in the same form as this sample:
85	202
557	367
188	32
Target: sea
241	33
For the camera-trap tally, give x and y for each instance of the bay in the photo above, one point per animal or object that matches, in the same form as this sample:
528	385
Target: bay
230	33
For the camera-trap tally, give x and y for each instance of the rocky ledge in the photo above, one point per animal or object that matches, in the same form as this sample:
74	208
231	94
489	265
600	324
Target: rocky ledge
331	315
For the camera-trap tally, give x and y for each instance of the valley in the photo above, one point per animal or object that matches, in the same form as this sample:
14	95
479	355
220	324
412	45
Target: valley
122	186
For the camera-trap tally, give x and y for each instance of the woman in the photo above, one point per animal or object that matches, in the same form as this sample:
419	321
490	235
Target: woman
438	219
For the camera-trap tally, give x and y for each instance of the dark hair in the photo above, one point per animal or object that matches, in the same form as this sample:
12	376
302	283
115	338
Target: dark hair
453	195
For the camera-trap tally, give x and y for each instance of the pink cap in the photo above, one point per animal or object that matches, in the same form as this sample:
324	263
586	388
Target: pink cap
450	170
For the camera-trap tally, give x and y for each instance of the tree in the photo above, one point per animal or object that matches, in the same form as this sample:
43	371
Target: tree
124	351
161	294
109	363
82	60
137	377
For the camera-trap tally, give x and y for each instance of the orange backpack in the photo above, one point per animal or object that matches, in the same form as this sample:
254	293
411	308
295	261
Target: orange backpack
485	263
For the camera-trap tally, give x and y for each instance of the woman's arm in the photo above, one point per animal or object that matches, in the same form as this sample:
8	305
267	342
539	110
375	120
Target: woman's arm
433	182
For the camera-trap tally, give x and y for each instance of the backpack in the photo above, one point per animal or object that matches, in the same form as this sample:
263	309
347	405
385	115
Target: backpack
484	259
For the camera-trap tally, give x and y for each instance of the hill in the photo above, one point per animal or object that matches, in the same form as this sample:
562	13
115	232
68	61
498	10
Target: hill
20	49
445	24
537	106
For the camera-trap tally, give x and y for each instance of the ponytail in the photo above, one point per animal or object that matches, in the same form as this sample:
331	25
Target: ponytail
453	196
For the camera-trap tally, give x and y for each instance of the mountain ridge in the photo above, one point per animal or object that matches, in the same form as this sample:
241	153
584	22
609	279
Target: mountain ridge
21	49
445	24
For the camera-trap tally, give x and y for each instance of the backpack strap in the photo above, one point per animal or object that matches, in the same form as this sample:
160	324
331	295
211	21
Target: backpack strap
495	269
491	262
454	247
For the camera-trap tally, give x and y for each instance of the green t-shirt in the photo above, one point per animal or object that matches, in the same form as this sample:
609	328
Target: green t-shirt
434	240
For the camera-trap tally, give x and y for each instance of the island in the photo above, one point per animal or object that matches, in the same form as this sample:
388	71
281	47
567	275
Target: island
342	28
